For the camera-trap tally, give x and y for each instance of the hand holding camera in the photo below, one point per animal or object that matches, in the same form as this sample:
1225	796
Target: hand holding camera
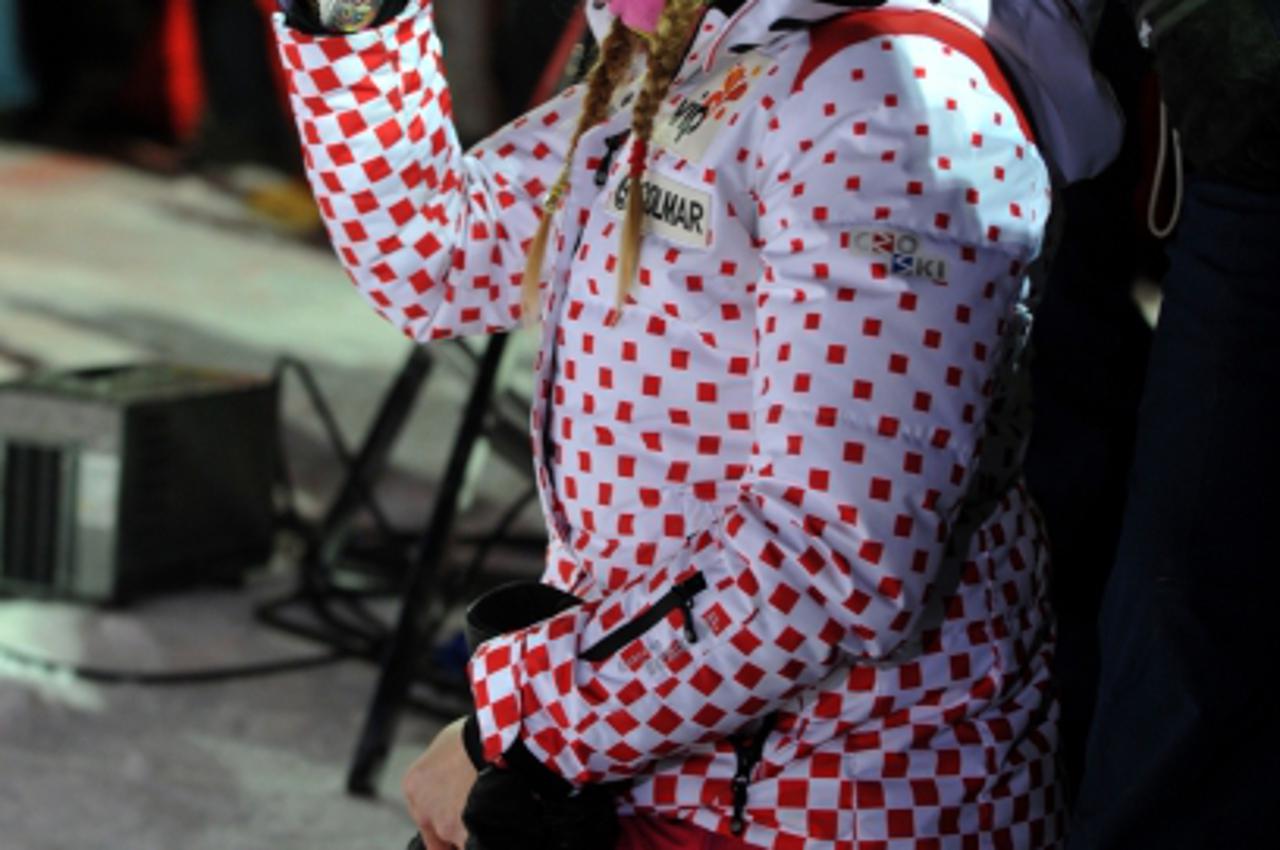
436	788
523	806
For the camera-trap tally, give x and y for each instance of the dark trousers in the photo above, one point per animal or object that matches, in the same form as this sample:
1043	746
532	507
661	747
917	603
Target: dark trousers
1184	751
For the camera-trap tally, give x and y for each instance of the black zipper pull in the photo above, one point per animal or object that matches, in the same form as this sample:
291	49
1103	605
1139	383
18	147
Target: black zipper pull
738	822
744	748
749	748
685	592
686	607
613	145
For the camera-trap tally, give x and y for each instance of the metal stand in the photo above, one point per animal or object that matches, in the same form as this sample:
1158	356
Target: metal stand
357	633
422	608
372	458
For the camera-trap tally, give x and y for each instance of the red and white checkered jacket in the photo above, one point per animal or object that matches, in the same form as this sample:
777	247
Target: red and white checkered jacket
754	476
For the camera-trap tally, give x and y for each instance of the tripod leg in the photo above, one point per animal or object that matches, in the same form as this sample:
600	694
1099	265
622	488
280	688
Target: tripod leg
369	461
414	627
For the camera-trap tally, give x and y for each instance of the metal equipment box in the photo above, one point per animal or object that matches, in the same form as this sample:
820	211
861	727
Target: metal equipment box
122	481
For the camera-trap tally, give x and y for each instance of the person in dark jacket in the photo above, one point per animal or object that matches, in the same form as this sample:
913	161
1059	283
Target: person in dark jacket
1182	752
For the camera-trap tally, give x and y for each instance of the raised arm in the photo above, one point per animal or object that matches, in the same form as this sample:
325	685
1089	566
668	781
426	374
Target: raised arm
433	237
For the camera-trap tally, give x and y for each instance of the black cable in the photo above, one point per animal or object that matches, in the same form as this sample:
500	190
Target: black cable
207	676
353	603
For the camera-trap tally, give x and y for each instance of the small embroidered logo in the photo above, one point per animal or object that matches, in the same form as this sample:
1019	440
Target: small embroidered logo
696	119
904	252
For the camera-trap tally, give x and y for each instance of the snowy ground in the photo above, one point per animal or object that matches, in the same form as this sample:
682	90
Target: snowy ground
99	265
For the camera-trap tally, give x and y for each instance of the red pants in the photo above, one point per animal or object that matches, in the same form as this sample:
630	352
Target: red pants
642	833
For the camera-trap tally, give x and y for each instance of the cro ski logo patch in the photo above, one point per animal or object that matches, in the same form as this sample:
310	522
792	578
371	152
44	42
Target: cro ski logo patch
903	252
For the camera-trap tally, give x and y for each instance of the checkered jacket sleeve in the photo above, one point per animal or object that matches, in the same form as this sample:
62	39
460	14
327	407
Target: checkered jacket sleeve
433	237
876	353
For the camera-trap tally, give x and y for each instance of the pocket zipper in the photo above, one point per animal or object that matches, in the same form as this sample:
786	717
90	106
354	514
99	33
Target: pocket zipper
681	596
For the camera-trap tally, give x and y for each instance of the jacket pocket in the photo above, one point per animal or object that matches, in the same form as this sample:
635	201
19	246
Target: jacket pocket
681	596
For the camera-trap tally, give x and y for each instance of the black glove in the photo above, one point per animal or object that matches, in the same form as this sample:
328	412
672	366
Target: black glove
505	812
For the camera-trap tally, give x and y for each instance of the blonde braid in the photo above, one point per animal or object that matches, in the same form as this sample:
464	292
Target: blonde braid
610	69
666	52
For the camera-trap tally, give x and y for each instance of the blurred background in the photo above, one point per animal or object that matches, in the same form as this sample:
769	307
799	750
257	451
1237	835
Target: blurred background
223	475
218	465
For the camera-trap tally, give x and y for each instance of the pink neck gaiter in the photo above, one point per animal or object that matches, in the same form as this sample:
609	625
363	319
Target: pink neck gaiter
639	15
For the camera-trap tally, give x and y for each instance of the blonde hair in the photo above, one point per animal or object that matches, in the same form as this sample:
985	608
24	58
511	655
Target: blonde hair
664	48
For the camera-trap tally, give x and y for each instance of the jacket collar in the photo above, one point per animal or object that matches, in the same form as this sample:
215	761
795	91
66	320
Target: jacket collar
1045	44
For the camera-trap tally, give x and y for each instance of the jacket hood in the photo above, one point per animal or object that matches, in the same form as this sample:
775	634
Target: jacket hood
1044	45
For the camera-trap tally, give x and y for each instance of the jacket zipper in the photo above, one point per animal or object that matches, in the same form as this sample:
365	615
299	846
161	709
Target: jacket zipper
749	748
681	596
612	144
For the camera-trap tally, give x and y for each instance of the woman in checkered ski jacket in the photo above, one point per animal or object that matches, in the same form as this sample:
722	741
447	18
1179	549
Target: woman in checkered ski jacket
775	391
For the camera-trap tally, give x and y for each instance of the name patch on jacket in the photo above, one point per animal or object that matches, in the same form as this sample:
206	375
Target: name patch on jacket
902	251
690	127
672	210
